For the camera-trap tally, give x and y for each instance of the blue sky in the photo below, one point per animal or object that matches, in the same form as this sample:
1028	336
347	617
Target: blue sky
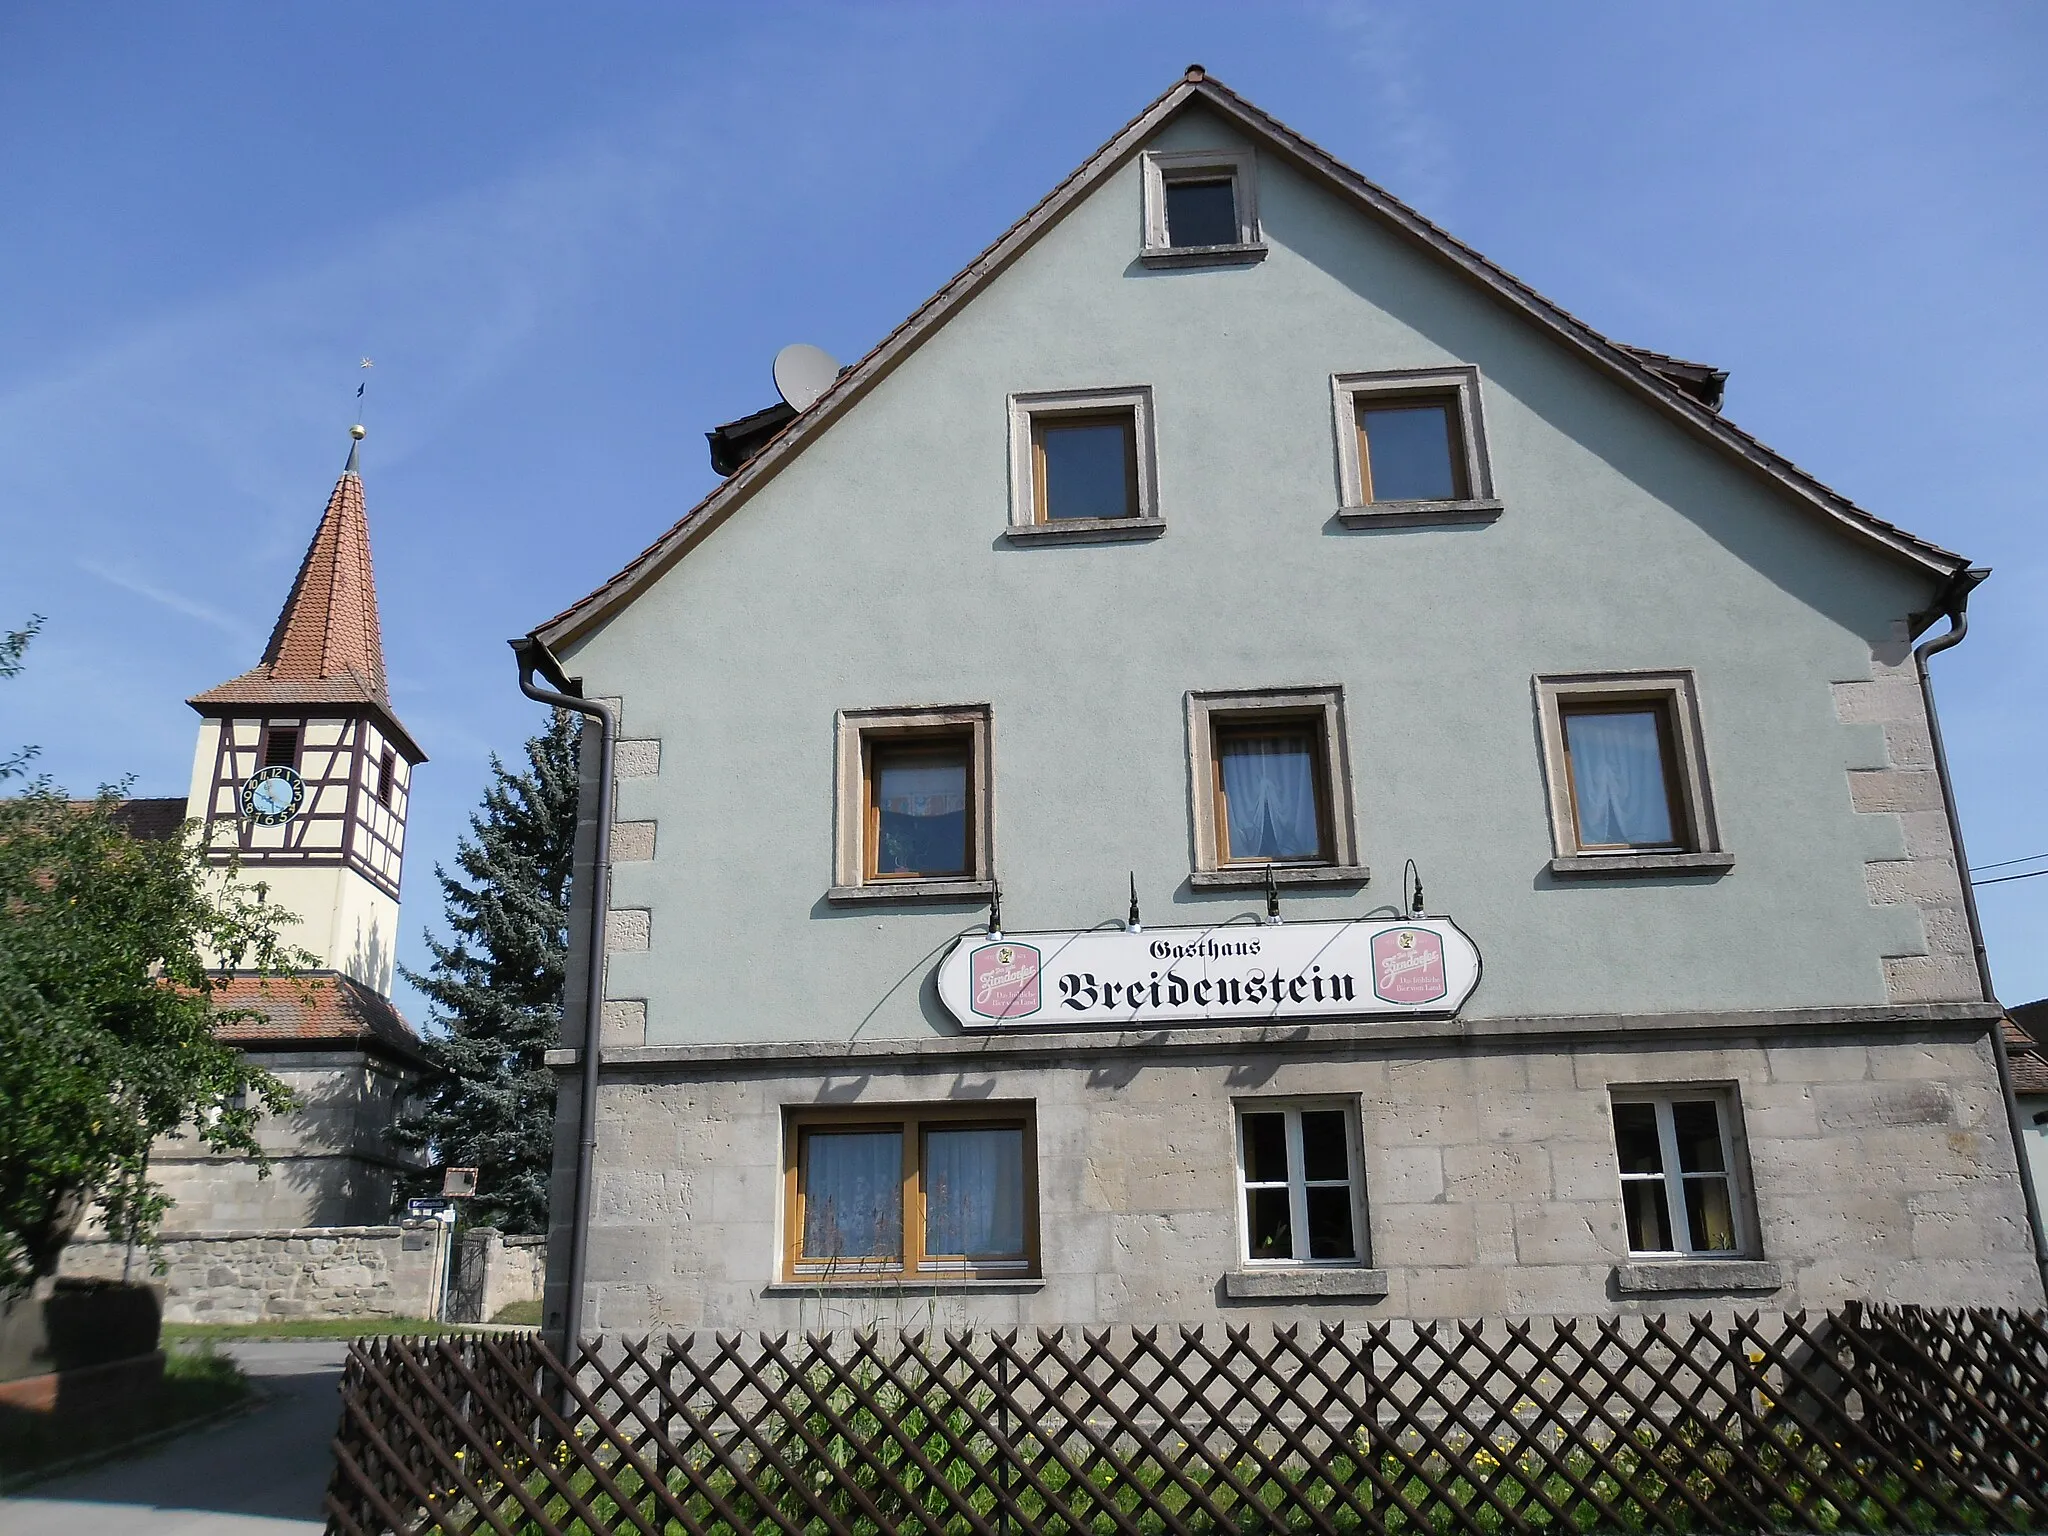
572	238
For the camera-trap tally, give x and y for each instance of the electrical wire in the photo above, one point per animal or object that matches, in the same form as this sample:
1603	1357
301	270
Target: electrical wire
2032	874
2007	863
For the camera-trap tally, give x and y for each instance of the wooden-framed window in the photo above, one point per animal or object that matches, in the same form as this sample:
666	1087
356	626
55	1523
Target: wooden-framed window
281	746
1681	1193
917	794
1082	465
911	1191
1300	1182
1621	764
915	804
387	773
1270	769
1201	208
1627	771
1411	448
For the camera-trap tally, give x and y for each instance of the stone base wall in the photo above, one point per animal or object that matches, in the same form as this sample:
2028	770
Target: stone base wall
294	1272
1878	1166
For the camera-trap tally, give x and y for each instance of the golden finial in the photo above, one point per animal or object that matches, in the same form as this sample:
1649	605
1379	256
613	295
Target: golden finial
358	431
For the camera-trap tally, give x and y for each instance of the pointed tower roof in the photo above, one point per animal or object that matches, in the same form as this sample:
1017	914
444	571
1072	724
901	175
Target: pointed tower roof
327	648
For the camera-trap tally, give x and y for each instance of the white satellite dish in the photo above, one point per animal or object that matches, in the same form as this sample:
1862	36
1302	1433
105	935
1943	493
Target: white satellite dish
804	372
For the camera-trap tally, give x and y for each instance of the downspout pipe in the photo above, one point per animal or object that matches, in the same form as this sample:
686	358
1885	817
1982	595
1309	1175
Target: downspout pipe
1954	604
534	657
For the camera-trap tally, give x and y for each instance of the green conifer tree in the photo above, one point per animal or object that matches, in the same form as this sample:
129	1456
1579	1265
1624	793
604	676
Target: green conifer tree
496	989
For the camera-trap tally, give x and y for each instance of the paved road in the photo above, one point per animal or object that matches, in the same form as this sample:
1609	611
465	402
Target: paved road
256	1475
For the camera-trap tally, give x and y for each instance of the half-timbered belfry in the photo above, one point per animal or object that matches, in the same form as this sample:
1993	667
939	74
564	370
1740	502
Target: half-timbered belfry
303	757
303	772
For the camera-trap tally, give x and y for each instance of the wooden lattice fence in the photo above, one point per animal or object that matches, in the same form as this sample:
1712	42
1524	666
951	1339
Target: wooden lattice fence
1864	1419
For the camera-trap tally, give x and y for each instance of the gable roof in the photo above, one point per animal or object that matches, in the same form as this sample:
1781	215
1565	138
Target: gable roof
1670	385
327	646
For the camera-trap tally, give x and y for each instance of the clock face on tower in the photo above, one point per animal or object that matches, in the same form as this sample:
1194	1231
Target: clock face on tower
271	796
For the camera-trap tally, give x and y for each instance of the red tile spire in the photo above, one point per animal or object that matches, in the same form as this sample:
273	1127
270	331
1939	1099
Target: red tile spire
326	647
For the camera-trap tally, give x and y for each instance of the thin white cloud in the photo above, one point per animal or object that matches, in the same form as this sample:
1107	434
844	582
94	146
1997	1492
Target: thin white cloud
1413	155
177	602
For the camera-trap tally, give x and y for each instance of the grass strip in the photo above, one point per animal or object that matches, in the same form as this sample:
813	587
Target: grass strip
309	1328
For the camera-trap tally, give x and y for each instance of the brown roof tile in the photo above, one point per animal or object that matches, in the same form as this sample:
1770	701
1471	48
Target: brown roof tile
2026	1044
324	1007
154	820
327	646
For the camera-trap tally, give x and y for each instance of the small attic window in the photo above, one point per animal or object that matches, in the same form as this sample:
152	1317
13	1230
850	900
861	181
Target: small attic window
1201	212
1201	209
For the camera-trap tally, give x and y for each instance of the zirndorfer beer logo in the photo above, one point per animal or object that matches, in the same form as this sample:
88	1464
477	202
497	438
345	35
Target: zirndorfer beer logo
1408	966
1005	981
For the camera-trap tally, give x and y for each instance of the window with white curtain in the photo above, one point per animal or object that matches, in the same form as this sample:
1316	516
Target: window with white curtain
1271	773
897	1191
1270	794
1625	756
1623	777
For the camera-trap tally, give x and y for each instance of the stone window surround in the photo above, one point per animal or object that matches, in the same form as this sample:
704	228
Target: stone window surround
1163	166
852	728
1306	1273
1746	1267
1026	408
1676	690
1459	386
1205	711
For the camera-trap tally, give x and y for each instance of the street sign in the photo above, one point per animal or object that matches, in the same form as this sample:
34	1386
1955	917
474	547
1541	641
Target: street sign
425	1205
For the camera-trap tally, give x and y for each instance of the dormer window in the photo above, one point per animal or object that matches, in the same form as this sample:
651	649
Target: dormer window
1201	209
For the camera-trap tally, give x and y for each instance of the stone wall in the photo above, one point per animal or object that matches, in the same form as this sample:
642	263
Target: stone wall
332	1163
1878	1163
252	1276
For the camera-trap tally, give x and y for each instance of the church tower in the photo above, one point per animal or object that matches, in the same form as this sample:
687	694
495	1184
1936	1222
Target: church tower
303	768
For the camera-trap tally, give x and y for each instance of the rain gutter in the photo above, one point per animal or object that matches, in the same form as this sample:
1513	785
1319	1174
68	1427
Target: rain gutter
535	657
1954	604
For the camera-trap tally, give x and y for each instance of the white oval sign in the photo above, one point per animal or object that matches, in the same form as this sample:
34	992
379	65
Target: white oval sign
1231	973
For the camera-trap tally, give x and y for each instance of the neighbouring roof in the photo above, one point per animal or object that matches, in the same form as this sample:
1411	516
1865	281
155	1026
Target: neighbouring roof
322	1008
2026	1044
1704	382
738	441
1678	388
153	820
327	647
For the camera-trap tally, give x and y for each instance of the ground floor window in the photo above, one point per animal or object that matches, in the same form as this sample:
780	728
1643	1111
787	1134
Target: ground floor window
1678	1177
1298	1177
896	1191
